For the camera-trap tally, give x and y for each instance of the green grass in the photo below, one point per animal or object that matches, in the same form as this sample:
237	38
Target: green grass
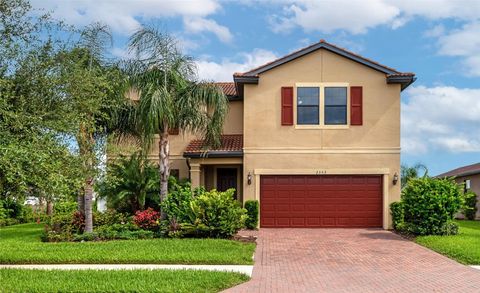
20	244
14	280
464	247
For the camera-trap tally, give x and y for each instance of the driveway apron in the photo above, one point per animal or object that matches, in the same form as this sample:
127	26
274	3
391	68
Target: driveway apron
352	260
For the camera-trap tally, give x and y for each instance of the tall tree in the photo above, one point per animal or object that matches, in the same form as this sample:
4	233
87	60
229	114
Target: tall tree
34	156
171	97
91	91
407	173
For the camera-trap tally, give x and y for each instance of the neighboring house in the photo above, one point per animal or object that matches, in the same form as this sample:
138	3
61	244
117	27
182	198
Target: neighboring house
314	136
470	177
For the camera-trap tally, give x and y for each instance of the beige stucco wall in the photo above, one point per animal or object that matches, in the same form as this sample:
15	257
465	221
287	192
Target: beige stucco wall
178	143
474	186
373	147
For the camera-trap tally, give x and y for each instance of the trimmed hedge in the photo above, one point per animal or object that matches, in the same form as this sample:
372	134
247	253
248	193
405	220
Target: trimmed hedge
252	208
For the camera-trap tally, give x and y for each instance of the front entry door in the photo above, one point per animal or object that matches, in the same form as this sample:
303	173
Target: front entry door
227	178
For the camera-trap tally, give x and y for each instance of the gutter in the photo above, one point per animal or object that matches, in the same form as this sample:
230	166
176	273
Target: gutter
214	154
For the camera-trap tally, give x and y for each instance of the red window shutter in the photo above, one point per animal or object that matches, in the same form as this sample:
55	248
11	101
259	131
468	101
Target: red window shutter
356	108
287	105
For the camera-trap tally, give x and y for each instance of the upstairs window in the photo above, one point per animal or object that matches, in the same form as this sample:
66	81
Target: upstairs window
335	106
308	105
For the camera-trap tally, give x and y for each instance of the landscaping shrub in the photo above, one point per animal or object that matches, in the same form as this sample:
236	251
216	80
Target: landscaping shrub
470	205
65	207
217	215
449	228
176	205
429	204
398	215
147	219
252	212
110	217
130	184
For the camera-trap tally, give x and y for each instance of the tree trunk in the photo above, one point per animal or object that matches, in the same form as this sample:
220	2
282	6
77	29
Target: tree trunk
49	207
88	205
81	201
164	165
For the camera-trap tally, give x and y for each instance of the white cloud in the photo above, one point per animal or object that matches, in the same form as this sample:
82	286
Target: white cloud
330	15
358	16
463	42
124	16
198	25
439	9
223	71
443	118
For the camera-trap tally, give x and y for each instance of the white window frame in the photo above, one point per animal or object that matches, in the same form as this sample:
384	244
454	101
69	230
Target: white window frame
321	97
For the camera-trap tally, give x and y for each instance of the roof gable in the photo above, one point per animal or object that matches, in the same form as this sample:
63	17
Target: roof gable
462	171
392	75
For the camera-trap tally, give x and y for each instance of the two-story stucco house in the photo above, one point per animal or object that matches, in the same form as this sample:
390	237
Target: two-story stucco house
313	136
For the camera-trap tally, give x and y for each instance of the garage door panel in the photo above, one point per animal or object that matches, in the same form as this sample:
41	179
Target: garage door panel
321	201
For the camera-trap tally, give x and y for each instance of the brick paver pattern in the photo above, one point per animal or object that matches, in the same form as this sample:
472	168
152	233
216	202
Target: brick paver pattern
352	260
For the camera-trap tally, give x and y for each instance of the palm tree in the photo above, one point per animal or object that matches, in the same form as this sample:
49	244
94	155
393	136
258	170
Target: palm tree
90	94
407	173
129	180
171	97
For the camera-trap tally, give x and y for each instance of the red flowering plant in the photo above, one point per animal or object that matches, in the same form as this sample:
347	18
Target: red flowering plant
148	219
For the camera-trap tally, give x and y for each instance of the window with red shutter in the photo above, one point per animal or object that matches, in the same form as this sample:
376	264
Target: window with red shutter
356	108
287	105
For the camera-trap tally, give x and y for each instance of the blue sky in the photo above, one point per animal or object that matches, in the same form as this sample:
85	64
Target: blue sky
439	40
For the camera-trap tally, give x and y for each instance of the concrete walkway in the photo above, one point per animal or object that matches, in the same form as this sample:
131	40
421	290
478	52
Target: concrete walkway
244	269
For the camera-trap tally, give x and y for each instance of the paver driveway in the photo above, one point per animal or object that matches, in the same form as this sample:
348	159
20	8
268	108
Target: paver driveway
352	260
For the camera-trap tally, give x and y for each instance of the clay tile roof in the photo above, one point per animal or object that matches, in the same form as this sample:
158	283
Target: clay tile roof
321	44
462	171
230	143
228	88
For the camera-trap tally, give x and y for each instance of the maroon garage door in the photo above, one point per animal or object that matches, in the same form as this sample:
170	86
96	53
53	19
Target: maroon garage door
320	201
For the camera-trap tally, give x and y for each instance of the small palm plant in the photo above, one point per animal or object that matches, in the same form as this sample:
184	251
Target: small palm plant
129	182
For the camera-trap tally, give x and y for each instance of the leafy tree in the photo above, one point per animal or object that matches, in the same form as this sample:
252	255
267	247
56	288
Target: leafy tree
129	182
34	156
408	173
90	92
171	97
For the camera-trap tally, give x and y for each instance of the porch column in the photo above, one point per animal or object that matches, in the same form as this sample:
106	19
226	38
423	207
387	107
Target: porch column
195	175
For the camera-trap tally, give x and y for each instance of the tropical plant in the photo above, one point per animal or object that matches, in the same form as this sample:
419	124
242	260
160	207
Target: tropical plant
170	98
129	182
470	206
147	219
429	204
91	92
217	214
252	208
407	173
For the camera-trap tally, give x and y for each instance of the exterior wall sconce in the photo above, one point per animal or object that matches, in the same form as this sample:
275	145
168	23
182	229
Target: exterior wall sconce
395	178
249	178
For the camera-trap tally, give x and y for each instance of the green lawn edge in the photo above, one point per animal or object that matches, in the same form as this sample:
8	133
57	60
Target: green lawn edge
20	244
16	280
464	247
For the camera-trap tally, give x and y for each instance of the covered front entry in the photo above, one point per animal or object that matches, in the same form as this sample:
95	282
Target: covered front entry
321	201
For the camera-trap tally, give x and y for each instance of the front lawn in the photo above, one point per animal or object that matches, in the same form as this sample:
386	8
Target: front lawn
464	247
15	280
20	244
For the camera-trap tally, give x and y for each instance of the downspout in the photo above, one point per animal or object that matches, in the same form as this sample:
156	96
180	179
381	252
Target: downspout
188	165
